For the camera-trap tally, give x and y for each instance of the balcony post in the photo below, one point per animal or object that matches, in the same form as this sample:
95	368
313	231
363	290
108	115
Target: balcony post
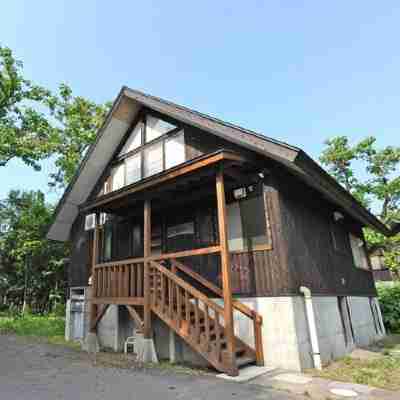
95	244
226	271
146	283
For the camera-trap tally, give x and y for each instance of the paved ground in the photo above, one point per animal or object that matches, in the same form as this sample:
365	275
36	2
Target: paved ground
34	371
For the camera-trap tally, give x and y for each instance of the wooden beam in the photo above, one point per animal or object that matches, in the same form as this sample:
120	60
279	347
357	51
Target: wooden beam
99	317
226	271
93	306
122	301
186	168
146	281
136	318
165	256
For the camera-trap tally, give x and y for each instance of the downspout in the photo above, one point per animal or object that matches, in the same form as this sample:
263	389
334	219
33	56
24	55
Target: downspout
312	327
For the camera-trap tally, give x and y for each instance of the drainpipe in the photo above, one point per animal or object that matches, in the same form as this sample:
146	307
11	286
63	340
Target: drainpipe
312	327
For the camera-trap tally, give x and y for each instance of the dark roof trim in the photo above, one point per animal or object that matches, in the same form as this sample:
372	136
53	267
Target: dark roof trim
293	158
88	153
235	134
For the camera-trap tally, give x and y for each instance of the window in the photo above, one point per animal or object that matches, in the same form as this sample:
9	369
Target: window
186	228
248	225
138	160
174	150
134	141
133	169
118	178
252	212
107	245
153	160
156	127
358	250
137	241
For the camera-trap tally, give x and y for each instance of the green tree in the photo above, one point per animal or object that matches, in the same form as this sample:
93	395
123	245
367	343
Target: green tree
31	267
76	123
36	124
378	188
25	132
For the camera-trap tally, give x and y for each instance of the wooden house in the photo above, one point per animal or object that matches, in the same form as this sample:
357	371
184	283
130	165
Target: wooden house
197	235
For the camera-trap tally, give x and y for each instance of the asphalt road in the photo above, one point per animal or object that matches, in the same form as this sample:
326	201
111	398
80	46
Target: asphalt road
37	371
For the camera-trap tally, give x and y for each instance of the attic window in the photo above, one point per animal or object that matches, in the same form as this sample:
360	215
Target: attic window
134	141
359	253
156	127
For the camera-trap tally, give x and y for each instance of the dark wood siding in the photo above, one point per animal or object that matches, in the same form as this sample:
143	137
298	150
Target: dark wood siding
79	268
312	258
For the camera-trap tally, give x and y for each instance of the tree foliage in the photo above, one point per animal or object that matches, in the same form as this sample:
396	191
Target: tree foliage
76	123
31	267
36	123
378	188
25	131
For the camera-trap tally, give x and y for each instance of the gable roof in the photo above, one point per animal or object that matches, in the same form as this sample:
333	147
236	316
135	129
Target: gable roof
122	114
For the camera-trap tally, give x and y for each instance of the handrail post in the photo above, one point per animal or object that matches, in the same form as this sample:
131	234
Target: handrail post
146	278
226	272
258	341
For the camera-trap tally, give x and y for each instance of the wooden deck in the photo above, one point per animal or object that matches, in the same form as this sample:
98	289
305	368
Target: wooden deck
147	283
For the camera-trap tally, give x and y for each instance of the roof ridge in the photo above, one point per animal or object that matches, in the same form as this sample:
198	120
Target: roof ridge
215	119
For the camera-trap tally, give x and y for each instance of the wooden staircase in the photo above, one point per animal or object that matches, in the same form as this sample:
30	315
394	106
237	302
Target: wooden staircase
199	320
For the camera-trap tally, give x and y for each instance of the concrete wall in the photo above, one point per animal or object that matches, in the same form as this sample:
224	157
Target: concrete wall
285	333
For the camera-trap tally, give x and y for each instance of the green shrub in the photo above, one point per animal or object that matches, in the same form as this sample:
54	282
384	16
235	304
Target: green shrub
31	325
389	298
59	310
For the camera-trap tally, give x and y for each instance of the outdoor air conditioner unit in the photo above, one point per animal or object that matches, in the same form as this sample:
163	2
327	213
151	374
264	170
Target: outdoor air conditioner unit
90	222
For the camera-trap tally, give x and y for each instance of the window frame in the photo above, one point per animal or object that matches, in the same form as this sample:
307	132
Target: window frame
267	215
362	251
121	159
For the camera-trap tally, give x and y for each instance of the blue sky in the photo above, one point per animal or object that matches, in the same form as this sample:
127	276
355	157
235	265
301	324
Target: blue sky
299	71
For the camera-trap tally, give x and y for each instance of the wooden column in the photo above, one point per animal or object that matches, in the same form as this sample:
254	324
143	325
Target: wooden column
226	271
146	283
95	243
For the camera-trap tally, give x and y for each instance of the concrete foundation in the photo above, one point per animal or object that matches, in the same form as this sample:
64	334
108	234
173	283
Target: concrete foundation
285	334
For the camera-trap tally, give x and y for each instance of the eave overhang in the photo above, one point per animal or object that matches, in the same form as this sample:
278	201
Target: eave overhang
120	118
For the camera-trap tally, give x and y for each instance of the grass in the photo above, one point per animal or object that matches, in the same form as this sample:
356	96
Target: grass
381	371
32	325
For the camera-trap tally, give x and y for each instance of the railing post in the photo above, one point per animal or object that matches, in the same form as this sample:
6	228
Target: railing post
93	306
146	280
258	341
226	272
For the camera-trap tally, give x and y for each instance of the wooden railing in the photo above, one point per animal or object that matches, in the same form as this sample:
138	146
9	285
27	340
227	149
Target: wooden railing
125	278
119	280
195	317
237	305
